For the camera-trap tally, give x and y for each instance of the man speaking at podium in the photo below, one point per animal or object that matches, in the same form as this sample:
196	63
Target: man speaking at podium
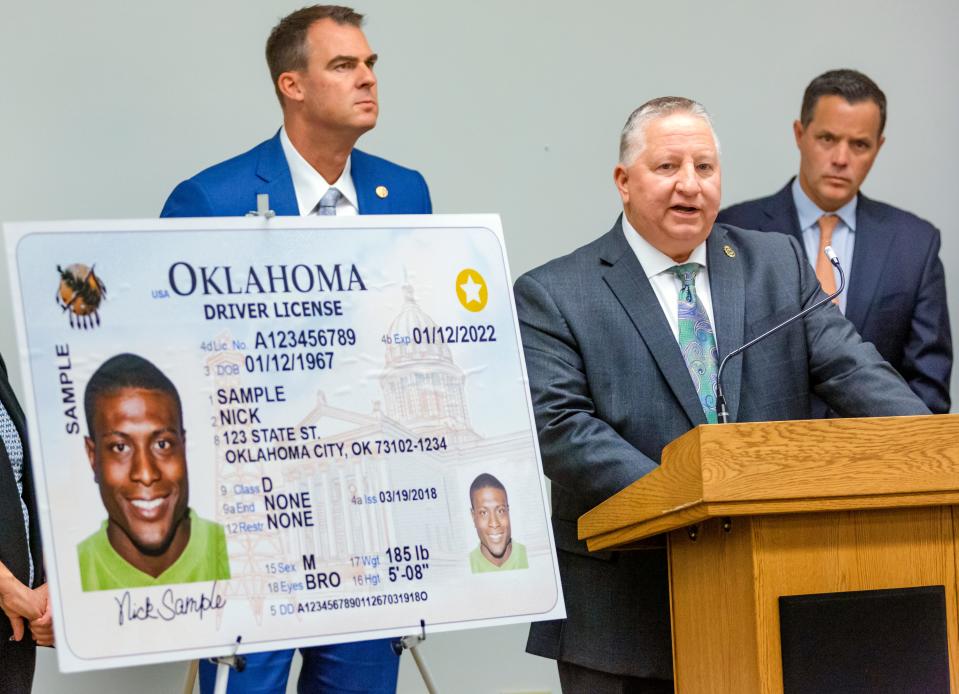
322	70
623	339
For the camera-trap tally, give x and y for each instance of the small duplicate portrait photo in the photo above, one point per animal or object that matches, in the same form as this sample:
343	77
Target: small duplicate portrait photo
489	508
136	447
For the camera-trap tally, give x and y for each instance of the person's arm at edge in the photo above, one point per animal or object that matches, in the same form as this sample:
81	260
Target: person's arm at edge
427	202
188	199
927	355
42	627
18	602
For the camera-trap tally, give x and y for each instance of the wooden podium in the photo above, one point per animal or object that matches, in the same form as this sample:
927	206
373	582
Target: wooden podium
758	511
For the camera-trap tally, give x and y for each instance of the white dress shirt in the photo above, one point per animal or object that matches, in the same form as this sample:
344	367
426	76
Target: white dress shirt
665	283
843	236
310	186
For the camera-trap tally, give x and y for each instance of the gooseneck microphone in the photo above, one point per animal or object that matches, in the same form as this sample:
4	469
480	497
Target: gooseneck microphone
722	414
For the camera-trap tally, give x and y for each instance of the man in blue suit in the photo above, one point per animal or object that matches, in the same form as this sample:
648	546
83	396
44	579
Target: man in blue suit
897	290
322	70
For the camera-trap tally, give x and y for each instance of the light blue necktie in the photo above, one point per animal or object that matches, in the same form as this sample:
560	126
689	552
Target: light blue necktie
697	340
327	206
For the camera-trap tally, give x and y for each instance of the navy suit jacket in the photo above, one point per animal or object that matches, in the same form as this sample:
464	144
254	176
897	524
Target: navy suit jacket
897	290
17	658
229	189
610	389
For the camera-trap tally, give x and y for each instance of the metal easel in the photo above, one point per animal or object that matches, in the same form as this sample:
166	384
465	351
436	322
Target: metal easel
412	643
223	666
262	207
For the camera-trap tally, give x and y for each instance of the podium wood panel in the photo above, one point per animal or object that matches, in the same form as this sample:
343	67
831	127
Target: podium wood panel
784	467
820	506
726	585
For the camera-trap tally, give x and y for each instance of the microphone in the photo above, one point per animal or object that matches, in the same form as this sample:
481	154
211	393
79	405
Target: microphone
722	414
833	258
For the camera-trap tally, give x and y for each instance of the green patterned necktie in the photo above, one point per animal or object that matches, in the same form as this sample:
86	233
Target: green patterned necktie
697	340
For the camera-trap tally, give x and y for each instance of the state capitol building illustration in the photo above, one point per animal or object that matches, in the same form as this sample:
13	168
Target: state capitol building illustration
425	397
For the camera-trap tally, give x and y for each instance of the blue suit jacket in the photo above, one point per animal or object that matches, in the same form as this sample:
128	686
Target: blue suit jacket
897	290
229	189
610	389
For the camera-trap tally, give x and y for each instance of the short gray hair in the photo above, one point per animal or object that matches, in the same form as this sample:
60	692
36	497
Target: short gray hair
633	138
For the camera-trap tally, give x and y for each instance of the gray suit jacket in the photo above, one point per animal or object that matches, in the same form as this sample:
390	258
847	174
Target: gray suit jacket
610	389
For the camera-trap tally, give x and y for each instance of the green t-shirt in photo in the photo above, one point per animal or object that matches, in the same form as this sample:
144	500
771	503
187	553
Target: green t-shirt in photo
481	565
204	559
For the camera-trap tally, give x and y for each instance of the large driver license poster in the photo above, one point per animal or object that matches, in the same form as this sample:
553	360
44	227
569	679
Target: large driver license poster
287	431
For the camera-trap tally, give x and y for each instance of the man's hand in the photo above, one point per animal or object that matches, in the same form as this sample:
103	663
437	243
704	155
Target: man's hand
19	602
42	627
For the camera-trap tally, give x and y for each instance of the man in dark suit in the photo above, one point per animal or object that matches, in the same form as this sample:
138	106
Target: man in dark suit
897	291
622	340
23	590
322	71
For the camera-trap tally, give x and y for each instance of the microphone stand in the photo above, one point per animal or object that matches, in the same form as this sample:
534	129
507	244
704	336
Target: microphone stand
722	414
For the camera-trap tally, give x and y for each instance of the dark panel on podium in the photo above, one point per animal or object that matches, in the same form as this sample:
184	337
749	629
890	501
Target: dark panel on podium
874	641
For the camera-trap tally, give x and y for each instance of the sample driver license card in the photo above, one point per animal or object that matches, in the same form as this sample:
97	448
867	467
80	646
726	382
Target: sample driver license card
286	431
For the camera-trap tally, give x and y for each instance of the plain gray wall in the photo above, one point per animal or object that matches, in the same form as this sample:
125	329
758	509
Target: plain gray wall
506	107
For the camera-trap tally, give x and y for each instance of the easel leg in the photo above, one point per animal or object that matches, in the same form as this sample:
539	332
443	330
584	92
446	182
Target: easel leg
222	676
224	665
191	671
411	644
424	671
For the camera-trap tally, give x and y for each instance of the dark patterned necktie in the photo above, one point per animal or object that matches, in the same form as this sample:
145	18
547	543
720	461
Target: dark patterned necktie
696	340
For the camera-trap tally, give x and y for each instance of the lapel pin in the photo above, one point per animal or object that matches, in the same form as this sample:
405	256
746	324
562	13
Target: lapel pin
728	250
381	191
